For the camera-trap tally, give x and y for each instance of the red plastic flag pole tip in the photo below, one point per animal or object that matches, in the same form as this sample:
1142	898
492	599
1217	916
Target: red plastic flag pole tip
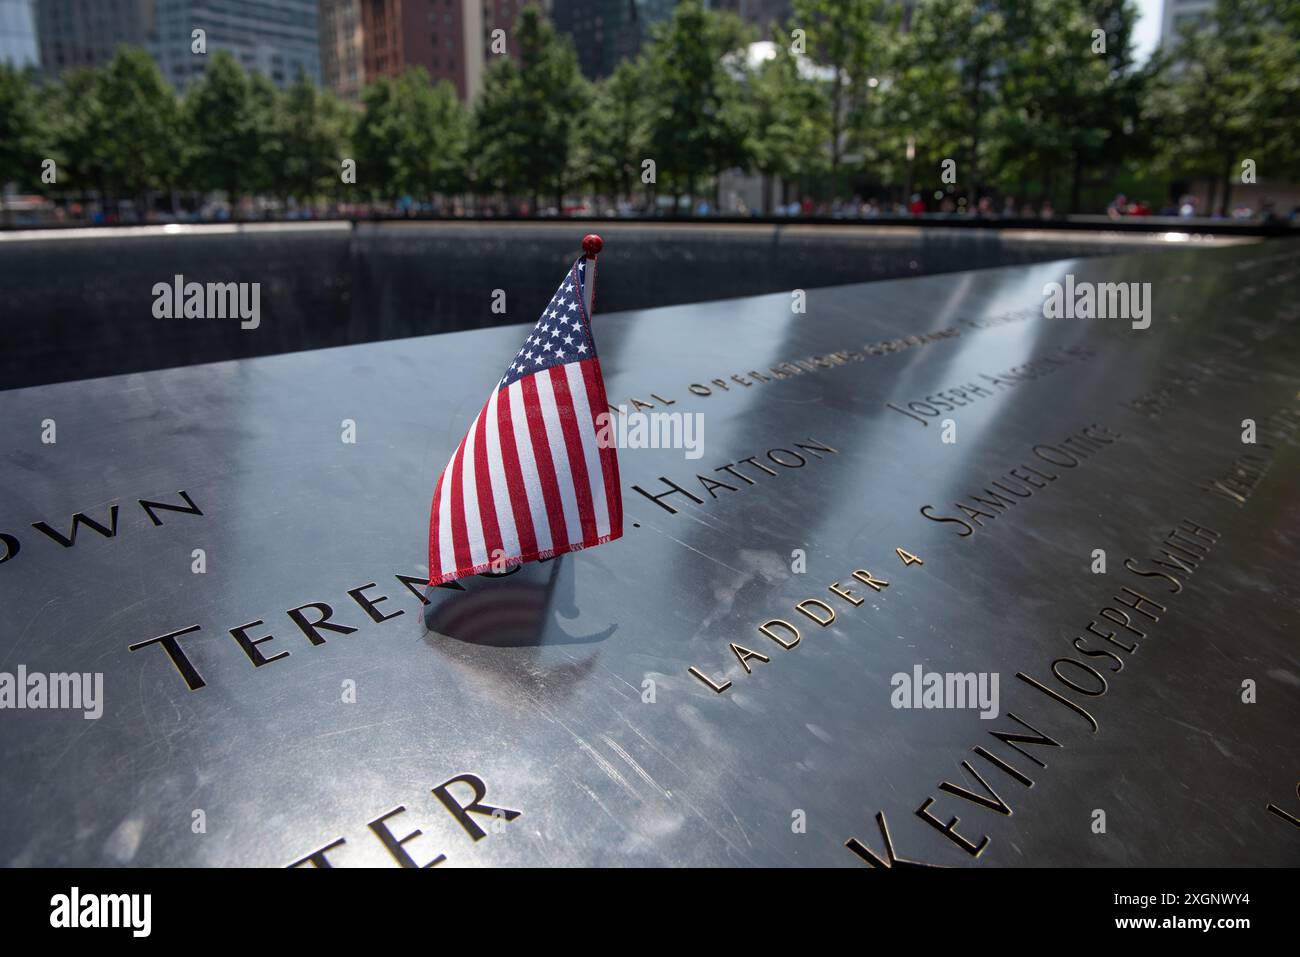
592	245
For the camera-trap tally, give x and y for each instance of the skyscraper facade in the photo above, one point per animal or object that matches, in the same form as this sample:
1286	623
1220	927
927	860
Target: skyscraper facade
277	38
401	34
606	32
18	34
452	40
86	33
495	15
342	48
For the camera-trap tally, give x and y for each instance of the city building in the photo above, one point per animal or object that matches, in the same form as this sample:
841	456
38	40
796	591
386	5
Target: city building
1179	14
606	32
452	40
1265	192
86	33
18	45
277	38
758	13
495	15
400	34
342	48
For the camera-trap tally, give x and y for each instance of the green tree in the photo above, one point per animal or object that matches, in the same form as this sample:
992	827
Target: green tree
412	138
134	118
857	41
433	153
266	123
226	126
524	123
20	130
697	123
377	140
1228	92
1278	109
959	49
312	132
79	132
920	119
612	132
1066	99
791	130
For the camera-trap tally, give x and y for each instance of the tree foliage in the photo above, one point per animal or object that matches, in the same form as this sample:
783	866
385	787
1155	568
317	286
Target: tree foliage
21	128
1026	97
524	125
1229	92
790	123
227	130
856	40
313	128
411	138
613	130
697	113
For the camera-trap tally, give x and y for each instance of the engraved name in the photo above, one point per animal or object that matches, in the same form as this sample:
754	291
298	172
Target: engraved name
381	827
1020	483
740	474
1113	634
11	544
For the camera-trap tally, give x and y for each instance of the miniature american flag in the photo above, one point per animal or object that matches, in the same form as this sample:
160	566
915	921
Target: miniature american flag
529	479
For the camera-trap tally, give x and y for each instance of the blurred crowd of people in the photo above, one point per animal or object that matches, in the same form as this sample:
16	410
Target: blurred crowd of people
40	211
1008	207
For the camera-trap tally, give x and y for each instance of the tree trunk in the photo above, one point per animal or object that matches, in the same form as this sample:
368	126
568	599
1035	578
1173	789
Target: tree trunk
1227	188
1076	183
976	104
837	102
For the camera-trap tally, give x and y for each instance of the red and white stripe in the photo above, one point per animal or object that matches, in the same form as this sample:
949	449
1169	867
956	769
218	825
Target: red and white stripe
528	480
